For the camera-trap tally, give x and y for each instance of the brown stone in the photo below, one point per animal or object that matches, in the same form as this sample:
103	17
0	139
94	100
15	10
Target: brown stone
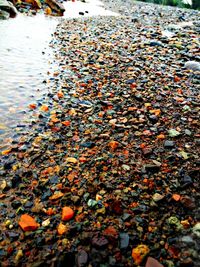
56	6
151	262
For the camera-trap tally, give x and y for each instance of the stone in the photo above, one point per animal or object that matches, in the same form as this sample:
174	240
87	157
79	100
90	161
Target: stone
151	262
188	132
192	65
168	144
28	223
4	15
173	133
99	241
9	8
139	253
187	239
82	258
124	240
34	3
157	197
196	230
188	202
152	168
56	6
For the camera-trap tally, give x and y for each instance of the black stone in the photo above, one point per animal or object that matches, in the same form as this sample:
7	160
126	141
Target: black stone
16	180
15	204
12	235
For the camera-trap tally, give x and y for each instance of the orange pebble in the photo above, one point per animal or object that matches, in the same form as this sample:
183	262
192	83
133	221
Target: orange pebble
44	108
113	144
48	11
50	211
82	159
176	197
6	152
32	106
66	123
27	223
139	253
60	94
67	214
177	79
161	136
62	229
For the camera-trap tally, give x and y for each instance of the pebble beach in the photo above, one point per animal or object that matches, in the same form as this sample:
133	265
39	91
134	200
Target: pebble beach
106	173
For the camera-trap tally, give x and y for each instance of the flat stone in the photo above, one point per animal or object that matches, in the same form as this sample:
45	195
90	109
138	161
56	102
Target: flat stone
124	240
99	241
168	144
151	262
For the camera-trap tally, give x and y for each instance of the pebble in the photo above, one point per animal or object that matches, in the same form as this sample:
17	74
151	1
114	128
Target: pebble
124	240
192	65
109	143
196	230
157	197
151	262
82	258
173	133
99	242
169	144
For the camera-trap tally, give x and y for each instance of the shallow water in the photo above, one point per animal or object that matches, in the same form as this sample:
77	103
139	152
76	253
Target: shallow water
90	8
24	63
25	58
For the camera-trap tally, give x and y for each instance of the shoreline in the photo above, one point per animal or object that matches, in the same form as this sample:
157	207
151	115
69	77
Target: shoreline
114	141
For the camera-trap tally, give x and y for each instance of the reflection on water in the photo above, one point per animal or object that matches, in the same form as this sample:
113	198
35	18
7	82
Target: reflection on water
24	63
25	60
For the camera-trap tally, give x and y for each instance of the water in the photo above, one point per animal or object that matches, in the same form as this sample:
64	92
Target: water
24	63
25	58
93	7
